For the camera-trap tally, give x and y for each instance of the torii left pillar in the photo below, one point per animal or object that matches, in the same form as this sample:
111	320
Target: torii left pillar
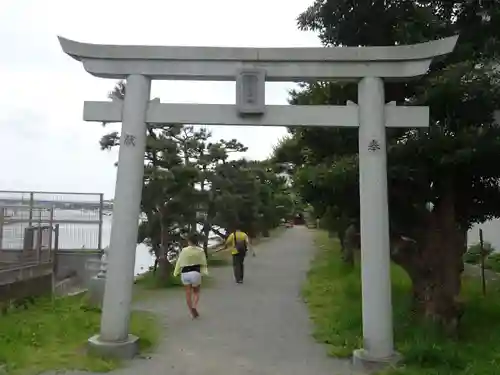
114	337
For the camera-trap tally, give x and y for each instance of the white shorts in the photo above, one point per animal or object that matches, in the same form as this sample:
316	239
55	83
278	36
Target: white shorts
191	278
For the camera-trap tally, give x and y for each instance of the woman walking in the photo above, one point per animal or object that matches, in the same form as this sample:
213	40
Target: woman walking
191	264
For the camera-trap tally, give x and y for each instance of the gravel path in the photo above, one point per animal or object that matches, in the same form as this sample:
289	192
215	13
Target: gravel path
260	327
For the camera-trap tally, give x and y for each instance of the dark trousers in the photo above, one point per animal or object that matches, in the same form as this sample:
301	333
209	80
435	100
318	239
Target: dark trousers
238	266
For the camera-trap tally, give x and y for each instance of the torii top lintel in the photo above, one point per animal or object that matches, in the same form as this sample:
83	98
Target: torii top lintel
280	64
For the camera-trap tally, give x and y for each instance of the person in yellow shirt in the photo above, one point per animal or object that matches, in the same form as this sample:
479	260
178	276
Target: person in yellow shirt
191	265
239	243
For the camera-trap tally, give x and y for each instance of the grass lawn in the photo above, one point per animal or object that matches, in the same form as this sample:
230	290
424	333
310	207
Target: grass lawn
52	334
333	294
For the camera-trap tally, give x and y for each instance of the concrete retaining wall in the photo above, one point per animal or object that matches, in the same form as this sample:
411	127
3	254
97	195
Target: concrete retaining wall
34	281
69	263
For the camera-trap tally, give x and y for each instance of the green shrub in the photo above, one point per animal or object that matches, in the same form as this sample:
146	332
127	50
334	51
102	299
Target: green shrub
473	254
333	294
151	280
492	262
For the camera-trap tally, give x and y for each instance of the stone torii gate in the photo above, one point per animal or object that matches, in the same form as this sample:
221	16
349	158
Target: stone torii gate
251	68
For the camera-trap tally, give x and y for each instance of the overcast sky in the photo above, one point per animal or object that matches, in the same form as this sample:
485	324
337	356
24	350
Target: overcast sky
45	145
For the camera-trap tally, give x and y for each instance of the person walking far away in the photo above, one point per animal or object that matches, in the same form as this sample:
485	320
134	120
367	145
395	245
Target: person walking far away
191	264
239	244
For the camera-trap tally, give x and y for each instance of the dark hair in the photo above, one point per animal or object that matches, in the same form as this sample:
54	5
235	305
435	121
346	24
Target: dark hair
193	238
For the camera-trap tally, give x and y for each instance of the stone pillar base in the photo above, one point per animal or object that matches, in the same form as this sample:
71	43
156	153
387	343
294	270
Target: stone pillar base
362	361
121	350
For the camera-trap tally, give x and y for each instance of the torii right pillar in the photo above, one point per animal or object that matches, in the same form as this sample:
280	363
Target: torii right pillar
378	341
378	344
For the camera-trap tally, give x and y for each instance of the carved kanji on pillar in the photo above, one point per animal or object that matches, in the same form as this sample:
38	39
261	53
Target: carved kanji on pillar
129	140
374	145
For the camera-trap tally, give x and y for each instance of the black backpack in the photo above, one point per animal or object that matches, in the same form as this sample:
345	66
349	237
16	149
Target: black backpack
240	245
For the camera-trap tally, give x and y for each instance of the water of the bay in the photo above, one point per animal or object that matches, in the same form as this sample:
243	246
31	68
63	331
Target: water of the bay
143	257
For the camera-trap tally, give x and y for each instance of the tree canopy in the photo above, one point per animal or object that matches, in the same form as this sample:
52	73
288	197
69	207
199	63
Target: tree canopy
193	183
448	167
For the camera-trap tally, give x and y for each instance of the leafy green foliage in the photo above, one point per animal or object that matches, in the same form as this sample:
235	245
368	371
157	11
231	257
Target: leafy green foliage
492	262
333	295
441	180
473	254
252	195
149	281
491	256
189	181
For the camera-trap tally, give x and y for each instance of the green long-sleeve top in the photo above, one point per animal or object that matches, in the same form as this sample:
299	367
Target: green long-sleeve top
191	256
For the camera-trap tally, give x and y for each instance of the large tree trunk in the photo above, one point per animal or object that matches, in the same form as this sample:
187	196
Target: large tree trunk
435	266
217	232
164	269
157	252
265	232
341	235
349	244
437	296
252	231
206	233
164	266
206	227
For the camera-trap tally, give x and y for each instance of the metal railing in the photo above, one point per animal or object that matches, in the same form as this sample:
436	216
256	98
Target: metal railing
26	241
27	265
79	217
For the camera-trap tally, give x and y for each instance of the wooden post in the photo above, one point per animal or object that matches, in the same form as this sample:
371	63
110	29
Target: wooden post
483	256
